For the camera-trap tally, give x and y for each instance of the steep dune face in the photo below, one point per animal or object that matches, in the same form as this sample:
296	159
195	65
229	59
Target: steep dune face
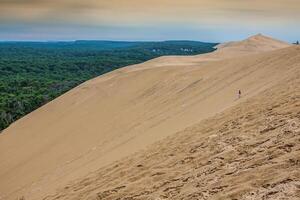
112	116
250	151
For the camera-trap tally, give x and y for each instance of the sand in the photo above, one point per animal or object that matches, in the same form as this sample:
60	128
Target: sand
250	151
55	151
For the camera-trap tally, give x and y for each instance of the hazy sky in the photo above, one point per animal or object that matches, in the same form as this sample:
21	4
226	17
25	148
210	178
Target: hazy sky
205	20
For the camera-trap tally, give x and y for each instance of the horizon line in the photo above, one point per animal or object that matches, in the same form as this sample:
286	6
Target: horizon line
103	40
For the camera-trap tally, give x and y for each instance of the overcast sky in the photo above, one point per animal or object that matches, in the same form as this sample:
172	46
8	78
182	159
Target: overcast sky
204	20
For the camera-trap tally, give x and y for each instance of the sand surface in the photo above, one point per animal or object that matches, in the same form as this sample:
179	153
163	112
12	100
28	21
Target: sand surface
250	151
54	151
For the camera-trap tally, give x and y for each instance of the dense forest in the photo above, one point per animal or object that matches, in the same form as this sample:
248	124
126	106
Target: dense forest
34	73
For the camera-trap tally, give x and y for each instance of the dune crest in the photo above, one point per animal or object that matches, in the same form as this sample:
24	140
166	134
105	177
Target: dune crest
257	43
115	115
253	45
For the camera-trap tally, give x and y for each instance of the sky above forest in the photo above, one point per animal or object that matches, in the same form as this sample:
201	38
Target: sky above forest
203	20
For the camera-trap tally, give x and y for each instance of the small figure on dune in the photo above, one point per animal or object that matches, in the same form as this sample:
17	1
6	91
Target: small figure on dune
239	94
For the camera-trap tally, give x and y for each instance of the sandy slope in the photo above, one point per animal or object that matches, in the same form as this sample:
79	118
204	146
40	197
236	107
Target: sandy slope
250	151
112	116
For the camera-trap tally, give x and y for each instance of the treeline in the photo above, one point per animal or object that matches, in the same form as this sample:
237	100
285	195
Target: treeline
34	73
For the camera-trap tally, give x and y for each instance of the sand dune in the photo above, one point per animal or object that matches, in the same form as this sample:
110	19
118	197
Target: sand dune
110	117
253	45
250	151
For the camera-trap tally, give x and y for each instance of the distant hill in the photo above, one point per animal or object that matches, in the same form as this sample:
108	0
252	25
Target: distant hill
33	73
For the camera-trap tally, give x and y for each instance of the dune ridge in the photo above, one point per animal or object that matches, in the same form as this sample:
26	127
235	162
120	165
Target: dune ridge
123	112
253	45
250	151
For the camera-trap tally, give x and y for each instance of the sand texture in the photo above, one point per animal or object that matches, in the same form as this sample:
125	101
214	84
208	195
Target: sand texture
251	151
169	128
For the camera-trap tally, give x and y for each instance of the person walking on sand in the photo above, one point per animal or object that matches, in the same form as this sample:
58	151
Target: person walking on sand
239	94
